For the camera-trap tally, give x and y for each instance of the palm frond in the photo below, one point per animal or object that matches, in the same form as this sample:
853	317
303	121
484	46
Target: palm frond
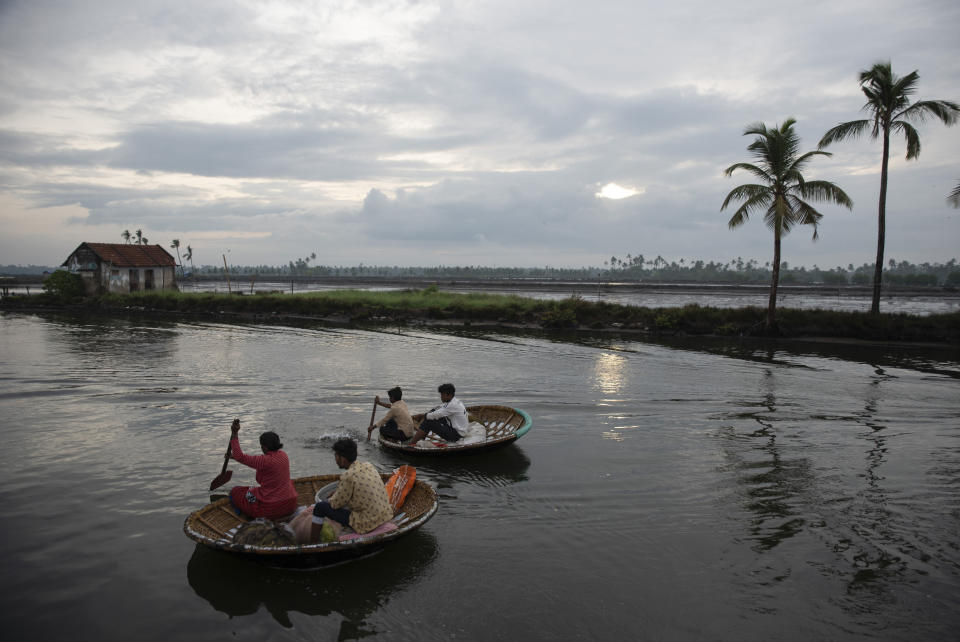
825	191
758	201
851	129
911	135
745	192
803	159
759	172
806	214
954	197
901	88
777	218
944	110
755	129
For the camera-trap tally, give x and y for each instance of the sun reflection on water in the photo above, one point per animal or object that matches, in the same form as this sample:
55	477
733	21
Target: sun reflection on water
609	373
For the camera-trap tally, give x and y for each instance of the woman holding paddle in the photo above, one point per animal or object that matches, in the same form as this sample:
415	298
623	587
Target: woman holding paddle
275	496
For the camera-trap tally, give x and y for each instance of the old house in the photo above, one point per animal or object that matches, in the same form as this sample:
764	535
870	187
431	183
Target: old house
123	267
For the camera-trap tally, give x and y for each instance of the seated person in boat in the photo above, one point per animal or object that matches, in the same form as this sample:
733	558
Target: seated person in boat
275	496
360	500
448	420
397	424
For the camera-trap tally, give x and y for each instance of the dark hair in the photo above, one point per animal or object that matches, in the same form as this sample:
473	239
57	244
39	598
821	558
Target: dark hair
346	448
446	389
395	393
270	441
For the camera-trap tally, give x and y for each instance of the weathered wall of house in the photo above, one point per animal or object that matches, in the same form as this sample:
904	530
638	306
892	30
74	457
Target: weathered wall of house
169	275
113	279
85	263
118	279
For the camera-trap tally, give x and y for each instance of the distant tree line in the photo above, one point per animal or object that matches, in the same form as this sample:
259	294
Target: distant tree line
25	269
631	268
739	271
300	267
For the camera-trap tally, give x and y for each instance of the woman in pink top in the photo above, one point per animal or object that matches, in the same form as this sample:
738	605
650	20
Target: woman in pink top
275	496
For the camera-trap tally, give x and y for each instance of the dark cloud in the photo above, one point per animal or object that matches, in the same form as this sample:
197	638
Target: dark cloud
483	130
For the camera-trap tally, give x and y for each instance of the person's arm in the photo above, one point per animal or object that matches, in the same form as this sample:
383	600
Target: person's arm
253	461
387	417
441	411
425	415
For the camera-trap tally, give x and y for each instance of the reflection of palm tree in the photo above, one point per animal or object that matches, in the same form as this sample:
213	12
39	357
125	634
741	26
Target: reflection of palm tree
781	192
771	482
888	102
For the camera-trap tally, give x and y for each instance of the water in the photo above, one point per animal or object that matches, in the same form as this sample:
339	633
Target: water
699	489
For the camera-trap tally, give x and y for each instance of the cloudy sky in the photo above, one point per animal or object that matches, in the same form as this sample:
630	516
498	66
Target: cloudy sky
508	133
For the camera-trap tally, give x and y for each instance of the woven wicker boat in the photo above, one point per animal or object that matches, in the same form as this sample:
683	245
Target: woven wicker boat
214	524
503	425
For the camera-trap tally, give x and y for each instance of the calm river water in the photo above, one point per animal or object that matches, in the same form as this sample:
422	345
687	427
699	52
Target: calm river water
694	490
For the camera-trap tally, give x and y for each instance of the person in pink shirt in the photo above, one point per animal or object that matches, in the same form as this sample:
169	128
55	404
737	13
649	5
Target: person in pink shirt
275	496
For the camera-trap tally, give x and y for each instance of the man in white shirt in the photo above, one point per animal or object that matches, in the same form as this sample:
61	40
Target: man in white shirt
448	420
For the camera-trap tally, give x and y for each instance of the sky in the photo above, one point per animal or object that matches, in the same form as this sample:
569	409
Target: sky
424	133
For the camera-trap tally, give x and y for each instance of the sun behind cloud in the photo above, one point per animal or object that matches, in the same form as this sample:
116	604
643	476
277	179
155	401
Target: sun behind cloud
616	192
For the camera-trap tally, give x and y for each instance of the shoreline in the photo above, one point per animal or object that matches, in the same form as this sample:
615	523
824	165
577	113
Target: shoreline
432	308
242	283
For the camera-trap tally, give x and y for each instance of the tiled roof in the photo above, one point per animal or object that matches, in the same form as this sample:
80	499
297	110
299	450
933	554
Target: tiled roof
130	255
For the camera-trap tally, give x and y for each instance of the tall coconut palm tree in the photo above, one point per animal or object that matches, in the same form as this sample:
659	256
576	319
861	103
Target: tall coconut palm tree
781	192
139	237
189	257
125	235
888	104
175	245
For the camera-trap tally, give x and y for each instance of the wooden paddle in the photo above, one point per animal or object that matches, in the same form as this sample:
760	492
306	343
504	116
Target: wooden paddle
372	415
225	474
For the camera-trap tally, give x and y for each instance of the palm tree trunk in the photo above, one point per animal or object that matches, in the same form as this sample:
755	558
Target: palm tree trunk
881	222
774	282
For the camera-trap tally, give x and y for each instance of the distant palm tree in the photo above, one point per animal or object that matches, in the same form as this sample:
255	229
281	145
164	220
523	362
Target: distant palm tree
888	103
139	237
126	236
781	191
954	197
189	257
175	245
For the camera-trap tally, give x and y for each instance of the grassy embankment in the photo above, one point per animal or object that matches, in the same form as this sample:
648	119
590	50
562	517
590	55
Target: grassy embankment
432	306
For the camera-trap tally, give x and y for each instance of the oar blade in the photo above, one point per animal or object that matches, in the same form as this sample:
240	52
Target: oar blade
221	479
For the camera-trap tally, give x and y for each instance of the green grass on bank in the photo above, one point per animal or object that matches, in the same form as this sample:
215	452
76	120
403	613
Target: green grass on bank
431	304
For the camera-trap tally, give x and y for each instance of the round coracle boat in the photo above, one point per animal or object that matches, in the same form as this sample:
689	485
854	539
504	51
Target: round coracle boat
490	427
217	525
